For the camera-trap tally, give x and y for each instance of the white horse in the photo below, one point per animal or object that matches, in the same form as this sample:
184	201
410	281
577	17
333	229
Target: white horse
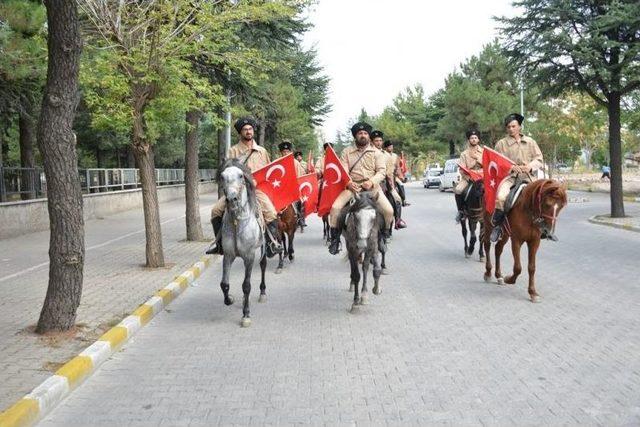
241	232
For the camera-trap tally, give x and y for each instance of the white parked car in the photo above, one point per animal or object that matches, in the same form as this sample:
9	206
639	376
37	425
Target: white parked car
450	176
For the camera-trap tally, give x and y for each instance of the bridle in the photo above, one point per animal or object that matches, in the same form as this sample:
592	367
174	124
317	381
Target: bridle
539	220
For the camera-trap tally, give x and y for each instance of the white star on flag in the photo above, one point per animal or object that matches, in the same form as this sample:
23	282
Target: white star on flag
276	183
304	198
493	183
325	184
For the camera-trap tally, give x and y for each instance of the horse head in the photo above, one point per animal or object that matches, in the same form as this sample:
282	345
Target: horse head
363	210
238	186
476	195
545	199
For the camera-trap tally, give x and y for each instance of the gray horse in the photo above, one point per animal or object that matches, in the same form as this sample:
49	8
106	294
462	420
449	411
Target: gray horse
362	224
241	232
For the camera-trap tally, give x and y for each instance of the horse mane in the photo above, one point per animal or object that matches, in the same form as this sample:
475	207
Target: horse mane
364	199
539	190
248	179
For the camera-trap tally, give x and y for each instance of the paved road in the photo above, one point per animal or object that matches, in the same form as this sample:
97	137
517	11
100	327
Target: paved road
115	283
439	346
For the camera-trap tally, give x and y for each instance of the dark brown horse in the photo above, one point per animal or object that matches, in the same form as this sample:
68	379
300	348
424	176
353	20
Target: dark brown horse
534	213
287	226
473	215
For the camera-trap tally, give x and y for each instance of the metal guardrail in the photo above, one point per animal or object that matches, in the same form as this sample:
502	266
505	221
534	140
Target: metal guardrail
30	183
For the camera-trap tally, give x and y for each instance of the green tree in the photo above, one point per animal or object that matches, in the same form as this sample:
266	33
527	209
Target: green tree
589	46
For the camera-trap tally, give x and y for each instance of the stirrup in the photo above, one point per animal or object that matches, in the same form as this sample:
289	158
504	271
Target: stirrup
549	236
400	224
459	217
338	247
496	234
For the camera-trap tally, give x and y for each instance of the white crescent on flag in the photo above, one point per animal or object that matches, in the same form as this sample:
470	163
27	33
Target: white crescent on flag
493	165
338	173
306	185
273	168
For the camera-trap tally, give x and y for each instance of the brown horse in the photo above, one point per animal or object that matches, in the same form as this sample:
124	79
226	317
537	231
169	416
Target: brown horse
534	213
287	225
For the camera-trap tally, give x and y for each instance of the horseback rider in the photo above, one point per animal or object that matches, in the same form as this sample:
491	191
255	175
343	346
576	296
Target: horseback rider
398	174
471	158
286	148
298	156
389	185
319	166
525	153
254	157
367	169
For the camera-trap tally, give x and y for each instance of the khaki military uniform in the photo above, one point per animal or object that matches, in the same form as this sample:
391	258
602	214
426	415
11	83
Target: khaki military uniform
523	153
371	167
300	170
304	167
391	159
471	158
257	157
320	165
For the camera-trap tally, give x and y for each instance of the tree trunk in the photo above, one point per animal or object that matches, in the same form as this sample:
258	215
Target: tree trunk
58	148
27	159
131	159
191	178
262	132
615	154
144	159
222	148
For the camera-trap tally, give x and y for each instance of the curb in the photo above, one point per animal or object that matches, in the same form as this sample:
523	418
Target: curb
596	219
42	399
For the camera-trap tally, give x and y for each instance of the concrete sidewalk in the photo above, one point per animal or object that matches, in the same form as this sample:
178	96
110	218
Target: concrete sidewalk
115	283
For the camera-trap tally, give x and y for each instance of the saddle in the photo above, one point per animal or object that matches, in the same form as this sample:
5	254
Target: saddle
514	194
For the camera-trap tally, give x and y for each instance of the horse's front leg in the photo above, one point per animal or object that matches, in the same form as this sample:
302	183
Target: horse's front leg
499	247
517	265
533	246
383	265
487	249
291	251
364	294
463	226
281	257
481	245
472	239
377	271
227	260
355	280
246	290
263	284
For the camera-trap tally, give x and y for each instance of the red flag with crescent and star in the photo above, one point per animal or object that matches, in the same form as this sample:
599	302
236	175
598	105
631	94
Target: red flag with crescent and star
334	180
495	168
308	186
473	175
279	182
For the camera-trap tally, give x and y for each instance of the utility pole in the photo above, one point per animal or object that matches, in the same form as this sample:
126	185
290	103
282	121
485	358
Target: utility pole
522	99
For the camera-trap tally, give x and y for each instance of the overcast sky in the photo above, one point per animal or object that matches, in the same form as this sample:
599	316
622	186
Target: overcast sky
372	49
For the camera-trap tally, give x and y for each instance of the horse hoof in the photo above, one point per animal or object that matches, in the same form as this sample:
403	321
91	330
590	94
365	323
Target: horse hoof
355	308
384	271
352	288
500	281
377	290
262	298
487	278
291	258
466	255
535	299
278	270
481	259
364	300
245	322
229	301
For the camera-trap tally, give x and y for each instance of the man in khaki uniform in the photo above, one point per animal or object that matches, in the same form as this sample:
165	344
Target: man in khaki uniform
254	157
298	156
319	166
471	158
286	148
367	168
388	185
526	155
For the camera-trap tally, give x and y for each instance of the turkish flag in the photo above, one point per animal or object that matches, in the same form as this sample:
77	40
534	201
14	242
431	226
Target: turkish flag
473	175
279	182
308	186
495	168
334	180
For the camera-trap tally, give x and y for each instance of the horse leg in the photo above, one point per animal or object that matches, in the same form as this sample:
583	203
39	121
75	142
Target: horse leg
533	249
473	238
364	294
291	251
383	266
463	225
498	273
516	244
263	284
224	283
246	290
281	256
355	280
481	245
487	249
377	271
